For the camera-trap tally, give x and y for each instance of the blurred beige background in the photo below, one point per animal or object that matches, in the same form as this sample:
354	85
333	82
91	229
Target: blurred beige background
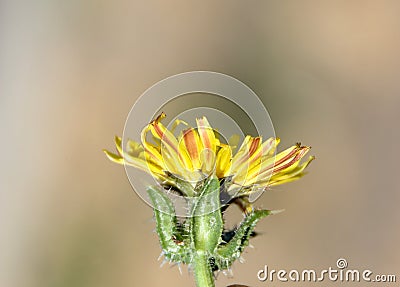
328	73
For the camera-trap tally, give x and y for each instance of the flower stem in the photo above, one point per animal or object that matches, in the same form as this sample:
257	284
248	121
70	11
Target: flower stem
202	270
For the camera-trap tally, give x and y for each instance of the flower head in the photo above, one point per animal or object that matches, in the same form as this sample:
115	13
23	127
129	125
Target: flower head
197	152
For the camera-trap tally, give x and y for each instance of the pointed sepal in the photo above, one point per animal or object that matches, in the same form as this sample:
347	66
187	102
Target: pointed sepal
170	232
227	253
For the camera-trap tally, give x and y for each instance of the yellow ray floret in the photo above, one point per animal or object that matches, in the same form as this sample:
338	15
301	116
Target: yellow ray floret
197	152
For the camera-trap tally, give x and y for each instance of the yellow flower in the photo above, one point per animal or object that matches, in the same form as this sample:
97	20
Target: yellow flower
197	152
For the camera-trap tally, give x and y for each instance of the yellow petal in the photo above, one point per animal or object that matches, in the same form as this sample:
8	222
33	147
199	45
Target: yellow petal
262	158
118	144
242	155
193	146
287	166
223	161
179	158
114	157
134	162
269	163
151	151
247	158
208	141
290	174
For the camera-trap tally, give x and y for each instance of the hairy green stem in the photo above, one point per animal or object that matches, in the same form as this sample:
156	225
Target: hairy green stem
202	270
206	229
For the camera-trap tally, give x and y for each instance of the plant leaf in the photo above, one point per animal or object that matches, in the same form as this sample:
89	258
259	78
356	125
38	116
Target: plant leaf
227	253
171	237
